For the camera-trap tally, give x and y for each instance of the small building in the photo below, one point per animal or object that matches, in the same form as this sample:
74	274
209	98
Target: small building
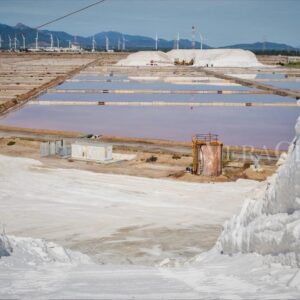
91	151
207	155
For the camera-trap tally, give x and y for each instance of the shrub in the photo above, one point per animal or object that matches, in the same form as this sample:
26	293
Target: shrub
151	159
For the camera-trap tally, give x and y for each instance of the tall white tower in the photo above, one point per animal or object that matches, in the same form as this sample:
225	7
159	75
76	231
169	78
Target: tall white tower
124	44
106	43
193	37
24	41
119	44
70	44
9	42
51	41
201	41
177	41
156	42
93	44
37	40
15	43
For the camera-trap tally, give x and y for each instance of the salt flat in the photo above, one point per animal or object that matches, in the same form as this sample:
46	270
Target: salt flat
115	218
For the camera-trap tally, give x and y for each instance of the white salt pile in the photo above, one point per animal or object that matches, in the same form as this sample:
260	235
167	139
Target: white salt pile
269	222
201	58
216	57
146	58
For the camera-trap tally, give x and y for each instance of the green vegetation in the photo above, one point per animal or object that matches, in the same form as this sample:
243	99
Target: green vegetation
293	65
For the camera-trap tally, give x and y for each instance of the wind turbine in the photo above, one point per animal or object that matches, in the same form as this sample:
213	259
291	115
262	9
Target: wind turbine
93	44
201	40
51	41
24	41
193	37
156	42
57	39
106	43
177	41
37	40
124	43
119	44
9	41
15	43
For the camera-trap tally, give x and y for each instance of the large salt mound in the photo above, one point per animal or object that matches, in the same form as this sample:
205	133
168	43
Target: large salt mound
216	57
269	222
146	58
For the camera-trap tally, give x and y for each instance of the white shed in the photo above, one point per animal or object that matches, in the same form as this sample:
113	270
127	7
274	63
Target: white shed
93	151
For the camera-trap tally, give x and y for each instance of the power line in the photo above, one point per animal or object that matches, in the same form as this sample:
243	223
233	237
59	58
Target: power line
70	14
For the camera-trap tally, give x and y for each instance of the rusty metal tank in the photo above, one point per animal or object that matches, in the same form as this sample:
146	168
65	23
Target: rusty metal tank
207	155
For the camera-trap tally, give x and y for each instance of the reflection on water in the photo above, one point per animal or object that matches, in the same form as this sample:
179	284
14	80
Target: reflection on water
236	125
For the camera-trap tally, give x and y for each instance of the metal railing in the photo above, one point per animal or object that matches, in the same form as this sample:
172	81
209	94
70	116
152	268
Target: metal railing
207	137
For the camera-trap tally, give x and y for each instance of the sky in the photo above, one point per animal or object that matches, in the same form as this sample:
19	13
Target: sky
221	22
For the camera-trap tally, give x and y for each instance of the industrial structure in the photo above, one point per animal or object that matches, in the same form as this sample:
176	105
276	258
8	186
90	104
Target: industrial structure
207	155
91	151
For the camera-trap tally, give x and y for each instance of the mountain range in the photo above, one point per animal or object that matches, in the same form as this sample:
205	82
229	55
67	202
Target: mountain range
132	42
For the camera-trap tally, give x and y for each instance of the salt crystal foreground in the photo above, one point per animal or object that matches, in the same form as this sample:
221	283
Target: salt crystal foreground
269	223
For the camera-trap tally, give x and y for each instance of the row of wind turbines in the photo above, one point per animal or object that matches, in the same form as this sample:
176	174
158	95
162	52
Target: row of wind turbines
13	43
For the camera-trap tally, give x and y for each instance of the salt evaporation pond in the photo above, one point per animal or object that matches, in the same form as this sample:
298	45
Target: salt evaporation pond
148	85
165	97
252	126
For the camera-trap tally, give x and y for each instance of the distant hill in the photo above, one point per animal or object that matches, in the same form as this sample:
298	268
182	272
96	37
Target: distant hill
132	42
260	46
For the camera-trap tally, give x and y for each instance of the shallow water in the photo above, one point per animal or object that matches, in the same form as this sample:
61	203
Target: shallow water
165	97
148	85
251	126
